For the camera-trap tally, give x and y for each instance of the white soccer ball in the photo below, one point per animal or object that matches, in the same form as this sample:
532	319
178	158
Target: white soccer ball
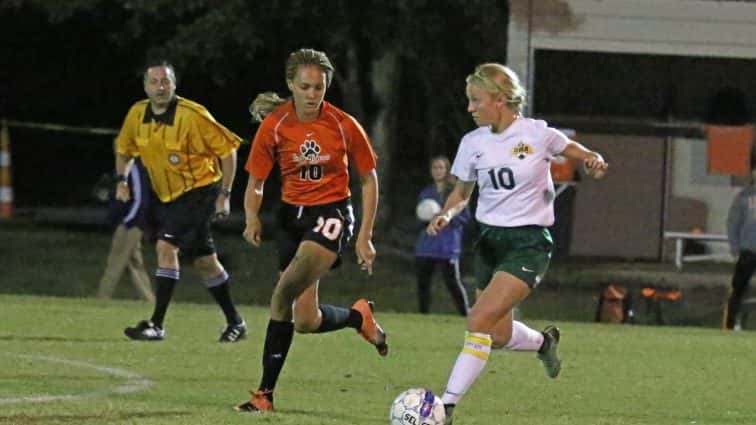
417	406
426	209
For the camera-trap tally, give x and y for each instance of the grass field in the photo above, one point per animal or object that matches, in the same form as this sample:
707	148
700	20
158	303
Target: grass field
68	262
65	361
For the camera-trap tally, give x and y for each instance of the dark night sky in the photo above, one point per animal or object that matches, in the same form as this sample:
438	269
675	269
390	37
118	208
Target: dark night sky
70	73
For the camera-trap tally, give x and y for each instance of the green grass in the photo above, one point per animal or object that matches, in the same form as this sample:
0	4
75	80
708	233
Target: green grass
612	375
46	260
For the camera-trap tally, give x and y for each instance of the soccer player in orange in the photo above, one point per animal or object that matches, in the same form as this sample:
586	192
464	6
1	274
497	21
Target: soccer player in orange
313	143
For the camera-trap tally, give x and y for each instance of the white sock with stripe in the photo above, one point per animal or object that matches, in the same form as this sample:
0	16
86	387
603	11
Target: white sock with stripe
524	338
470	363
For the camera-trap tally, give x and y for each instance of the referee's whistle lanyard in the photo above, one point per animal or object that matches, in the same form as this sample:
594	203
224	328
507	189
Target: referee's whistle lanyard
299	212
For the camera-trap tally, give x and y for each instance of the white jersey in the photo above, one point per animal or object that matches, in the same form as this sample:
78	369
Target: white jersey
513	171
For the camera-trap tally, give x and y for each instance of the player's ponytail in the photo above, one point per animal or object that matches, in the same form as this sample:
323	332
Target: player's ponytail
264	104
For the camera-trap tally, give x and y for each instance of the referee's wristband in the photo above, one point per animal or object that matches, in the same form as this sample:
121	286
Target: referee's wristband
226	192
121	178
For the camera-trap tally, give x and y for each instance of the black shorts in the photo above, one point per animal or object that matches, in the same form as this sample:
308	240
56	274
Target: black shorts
328	225
185	221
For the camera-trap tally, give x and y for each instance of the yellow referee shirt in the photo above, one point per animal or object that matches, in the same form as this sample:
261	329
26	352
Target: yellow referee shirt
180	148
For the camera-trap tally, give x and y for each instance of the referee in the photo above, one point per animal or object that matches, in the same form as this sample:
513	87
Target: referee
191	161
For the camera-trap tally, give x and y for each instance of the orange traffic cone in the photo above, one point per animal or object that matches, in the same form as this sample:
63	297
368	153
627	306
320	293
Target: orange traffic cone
6	186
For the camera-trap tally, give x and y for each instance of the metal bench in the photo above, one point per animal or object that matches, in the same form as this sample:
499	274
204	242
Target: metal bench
681	237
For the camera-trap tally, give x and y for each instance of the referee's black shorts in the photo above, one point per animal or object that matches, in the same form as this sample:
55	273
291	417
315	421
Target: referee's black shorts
329	225
185	221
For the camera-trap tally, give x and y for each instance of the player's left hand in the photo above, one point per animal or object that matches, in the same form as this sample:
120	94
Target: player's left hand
595	166
365	254
222	207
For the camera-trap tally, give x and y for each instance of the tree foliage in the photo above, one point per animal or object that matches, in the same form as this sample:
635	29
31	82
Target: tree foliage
232	49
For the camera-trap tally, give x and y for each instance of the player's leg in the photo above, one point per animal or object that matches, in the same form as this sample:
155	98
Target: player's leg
424	273
310	262
217	282
312	317
517	336
744	270
331	228
496	301
118	258
139	276
513	260
529	262
454	284
166	277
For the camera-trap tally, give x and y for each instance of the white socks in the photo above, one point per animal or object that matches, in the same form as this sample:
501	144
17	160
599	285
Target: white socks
474	356
470	363
524	338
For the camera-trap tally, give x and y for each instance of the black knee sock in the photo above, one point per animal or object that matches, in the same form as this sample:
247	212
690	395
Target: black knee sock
163	296
222	295
277	342
335	318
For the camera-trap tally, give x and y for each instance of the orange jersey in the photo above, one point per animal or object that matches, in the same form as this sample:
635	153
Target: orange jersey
313	156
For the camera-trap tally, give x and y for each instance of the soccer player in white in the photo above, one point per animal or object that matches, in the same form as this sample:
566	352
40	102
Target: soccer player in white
509	157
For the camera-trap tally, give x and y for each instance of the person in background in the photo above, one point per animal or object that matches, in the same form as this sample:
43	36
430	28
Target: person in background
313	143
741	233
191	160
442	251
508	157
133	219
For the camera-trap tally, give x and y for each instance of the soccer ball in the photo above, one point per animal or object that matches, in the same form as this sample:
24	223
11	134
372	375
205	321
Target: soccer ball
417	406
426	209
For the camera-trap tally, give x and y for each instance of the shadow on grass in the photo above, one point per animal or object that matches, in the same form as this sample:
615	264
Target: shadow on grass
53	339
109	417
353	419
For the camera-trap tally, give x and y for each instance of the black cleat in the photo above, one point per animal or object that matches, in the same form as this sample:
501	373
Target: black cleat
549	354
234	332
145	330
448	412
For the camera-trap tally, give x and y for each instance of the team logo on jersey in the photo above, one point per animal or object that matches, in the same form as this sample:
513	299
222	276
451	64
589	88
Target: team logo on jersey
522	150
309	150
174	158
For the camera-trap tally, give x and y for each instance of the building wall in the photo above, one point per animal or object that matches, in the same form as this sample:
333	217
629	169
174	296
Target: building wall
623	215
620	215
691	181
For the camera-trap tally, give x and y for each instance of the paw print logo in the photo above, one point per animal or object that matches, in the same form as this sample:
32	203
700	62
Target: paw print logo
309	149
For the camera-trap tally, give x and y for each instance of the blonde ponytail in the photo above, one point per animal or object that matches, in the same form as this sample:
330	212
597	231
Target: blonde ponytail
264	104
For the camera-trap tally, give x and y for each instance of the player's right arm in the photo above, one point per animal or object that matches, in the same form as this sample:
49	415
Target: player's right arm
455	203
735	219
252	200
259	164
122	165
125	149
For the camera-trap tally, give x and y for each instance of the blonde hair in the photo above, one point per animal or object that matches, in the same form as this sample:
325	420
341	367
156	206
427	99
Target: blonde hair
266	102
498	79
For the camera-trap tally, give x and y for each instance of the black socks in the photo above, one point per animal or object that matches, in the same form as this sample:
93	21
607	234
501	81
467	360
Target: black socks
277	342
163	294
222	295
334	318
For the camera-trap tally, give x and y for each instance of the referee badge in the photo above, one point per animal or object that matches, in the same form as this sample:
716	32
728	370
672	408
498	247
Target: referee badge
174	158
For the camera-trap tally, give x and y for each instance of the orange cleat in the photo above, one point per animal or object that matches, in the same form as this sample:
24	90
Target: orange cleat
260	402
370	329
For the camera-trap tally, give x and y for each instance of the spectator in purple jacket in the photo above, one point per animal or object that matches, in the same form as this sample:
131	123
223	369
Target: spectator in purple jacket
443	250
